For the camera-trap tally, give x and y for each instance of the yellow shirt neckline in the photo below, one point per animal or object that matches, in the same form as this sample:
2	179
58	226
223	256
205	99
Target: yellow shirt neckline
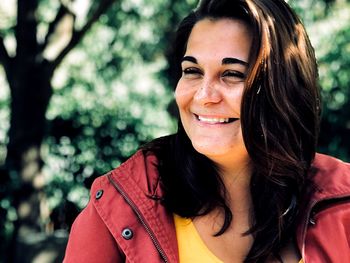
190	245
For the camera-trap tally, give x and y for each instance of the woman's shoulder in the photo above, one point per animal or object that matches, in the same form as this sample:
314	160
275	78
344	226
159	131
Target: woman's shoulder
330	163
139	171
330	177
328	185
129	185
325	210
118	199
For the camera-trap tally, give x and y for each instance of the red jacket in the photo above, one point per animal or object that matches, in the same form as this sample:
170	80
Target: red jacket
125	221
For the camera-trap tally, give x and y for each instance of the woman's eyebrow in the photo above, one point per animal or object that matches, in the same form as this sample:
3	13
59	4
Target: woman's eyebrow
190	59
226	61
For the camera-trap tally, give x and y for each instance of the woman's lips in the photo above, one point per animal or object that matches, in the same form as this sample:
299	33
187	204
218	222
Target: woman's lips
215	120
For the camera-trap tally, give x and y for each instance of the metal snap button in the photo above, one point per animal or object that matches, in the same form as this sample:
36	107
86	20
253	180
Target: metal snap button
99	194
127	233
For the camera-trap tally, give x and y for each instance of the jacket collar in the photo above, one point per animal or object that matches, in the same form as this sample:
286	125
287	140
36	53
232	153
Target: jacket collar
138	177
138	180
329	180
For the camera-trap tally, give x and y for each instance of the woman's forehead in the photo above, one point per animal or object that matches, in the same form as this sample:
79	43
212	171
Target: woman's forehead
219	38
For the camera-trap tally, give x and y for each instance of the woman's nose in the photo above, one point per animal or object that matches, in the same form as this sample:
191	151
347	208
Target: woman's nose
208	92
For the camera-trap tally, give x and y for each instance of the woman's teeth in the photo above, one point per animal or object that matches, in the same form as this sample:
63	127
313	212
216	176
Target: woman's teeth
214	120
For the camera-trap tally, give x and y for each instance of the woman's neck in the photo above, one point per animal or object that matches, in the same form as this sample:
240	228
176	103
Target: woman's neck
236	180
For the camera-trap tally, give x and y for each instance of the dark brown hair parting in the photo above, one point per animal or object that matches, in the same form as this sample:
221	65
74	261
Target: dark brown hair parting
280	120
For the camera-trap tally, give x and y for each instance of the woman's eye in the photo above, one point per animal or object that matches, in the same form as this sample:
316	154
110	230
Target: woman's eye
191	71
234	74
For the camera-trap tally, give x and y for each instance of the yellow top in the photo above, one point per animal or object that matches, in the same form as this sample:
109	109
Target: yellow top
191	246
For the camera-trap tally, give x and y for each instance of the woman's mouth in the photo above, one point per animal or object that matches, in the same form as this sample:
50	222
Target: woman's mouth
215	120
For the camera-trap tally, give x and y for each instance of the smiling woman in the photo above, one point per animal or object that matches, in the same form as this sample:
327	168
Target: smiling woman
240	180
210	90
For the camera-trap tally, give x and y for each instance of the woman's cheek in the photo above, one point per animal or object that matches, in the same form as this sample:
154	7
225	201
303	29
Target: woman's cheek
182	94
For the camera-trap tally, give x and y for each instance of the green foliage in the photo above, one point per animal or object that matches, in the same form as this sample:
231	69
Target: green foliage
109	98
112	92
328	25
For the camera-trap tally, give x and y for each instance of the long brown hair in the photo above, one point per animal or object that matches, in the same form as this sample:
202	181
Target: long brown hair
280	120
280	116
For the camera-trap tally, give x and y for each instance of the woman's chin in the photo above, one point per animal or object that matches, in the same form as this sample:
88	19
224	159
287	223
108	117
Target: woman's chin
222	152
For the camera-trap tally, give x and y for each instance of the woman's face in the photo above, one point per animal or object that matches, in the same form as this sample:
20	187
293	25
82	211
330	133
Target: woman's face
209	92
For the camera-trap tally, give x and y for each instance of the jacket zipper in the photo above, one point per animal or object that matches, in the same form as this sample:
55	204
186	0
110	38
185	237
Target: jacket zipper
142	220
313	204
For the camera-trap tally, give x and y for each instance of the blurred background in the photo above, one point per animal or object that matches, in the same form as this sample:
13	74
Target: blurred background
84	82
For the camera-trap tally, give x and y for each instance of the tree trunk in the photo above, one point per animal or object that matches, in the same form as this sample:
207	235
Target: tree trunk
29	77
30	94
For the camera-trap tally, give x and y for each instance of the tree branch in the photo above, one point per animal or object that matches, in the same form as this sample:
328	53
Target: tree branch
79	34
62	11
